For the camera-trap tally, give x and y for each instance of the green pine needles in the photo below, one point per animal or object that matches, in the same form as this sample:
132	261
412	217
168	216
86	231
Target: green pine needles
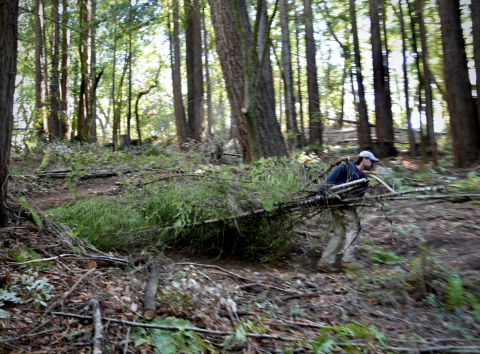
202	211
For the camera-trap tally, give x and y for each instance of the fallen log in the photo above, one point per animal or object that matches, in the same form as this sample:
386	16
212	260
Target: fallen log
151	290
97	343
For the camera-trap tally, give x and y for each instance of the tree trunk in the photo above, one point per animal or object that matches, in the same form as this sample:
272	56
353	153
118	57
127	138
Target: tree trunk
193	42
463	121
39	95
383	105
64	71
475	9
180	118
129	110
299	80
8	71
258	131
291	116
92	120
411	137
54	122
315	117
427	85
83	110
210	121
114	111
364	136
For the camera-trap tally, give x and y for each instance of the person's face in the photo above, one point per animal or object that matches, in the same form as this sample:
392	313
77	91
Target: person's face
367	164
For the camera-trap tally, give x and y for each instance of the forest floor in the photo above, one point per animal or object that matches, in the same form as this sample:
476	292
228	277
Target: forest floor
397	302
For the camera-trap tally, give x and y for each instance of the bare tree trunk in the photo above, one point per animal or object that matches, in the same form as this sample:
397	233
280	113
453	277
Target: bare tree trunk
64	71
210	121
54	122
342	100
193	41
83	109
463	121
290	113
39	95
315	116
383	105
475	9
8	71
114	111
364	135
427	85
411	137
92	131
129	110
180	118
299	80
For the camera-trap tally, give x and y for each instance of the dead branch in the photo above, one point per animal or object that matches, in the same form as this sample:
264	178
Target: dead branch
216	267
381	181
266	286
151	290
107	258
396	194
87	175
174	328
97	328
67	294
47	259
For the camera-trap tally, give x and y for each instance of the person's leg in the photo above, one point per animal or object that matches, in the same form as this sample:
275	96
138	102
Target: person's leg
352	225
335	243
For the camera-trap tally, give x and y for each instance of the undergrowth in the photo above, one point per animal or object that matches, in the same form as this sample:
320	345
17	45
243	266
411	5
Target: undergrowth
178	211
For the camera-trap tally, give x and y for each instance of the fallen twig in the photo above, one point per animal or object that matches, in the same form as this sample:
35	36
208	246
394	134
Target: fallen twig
46	259
67	294
381	181
174	328
97	328
266	286
216	267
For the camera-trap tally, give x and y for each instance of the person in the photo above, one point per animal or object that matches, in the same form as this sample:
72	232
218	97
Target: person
346	224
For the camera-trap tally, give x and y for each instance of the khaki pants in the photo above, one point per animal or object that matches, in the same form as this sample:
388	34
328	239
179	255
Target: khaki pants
346	227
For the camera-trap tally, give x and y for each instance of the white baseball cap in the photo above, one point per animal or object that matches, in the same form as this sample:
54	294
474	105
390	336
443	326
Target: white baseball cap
369	155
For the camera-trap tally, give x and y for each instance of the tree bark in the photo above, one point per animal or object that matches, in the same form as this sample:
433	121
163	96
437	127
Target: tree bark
383	105
64	71
8	71
83	109
299	80
426	80
92	119
54	122
364	135
180	119
39	94
210	121
258	131
463	121
475	9
314	114
193	42
291	116
411	137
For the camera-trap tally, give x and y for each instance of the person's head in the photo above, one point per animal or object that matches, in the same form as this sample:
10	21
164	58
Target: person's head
365	161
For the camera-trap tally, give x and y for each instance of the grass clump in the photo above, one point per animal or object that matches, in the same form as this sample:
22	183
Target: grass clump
202	211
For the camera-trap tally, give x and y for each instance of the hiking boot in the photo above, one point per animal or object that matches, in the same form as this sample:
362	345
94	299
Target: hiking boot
327	268
353	266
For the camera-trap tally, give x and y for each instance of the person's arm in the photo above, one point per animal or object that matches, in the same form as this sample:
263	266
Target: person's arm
337	175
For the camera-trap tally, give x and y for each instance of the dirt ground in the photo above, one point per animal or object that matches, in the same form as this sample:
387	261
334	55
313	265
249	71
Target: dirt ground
286	302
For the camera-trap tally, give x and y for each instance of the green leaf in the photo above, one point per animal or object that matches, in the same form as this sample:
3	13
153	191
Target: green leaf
455	292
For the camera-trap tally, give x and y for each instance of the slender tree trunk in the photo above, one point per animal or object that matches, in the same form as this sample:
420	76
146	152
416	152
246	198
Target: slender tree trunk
463	121
54	122
8	71
210	121
45	41
129	112
427	85
475	8
263	40
299	79
64	70
383	106
39	94
193	41
364	135
180	118
342	99
83	110
92	130
411	136
314	114
114	111
292	128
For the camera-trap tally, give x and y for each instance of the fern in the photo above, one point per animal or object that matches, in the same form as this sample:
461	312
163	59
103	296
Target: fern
37	219
455	292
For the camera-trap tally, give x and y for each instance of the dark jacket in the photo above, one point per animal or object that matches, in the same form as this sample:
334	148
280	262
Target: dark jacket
344	173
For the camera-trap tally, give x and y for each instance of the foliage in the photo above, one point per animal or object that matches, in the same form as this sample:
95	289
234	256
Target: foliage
172	342
24	254
331	339
172	211
26	290
33	213
381	255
